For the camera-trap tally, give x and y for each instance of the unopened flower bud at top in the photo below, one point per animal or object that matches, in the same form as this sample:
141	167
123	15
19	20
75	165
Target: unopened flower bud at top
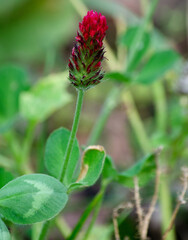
85	69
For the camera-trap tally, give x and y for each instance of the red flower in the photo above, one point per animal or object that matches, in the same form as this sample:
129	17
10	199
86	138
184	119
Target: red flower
93	28
85	61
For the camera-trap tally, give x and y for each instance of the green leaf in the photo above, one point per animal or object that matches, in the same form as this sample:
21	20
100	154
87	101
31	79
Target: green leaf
157	66
32	198
45	97
92	165
4	233
117	76
109	170
13	80
127	40
143	169
5	176
55	151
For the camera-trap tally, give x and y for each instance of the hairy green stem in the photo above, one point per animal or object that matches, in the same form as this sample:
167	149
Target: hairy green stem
73	134
45	226
87	212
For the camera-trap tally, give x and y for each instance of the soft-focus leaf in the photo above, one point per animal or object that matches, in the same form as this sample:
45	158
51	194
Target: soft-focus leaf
45	97
156	38
30	28
157	66
55	153
92	165
4	233
127	40
109	170
117	76
13	81
143	169
5	176
32	198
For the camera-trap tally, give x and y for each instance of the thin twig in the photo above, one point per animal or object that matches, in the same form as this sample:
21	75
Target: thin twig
151	209
117	211
153	203
116	229
143	221
139	209
181	201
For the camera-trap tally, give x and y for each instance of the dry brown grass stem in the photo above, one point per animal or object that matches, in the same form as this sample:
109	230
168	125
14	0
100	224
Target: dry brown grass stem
137	199
143	221
151	209
116	212
180	201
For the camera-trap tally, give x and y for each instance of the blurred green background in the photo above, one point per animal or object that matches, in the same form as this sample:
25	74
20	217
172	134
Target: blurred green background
36	38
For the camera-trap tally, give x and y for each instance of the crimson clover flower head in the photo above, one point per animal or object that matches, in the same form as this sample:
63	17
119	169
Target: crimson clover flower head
85	69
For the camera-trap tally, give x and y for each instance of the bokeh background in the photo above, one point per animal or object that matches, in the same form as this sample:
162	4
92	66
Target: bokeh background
38	35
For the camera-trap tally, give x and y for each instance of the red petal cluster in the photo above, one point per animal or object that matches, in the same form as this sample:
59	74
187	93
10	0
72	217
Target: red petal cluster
93	28
85	68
